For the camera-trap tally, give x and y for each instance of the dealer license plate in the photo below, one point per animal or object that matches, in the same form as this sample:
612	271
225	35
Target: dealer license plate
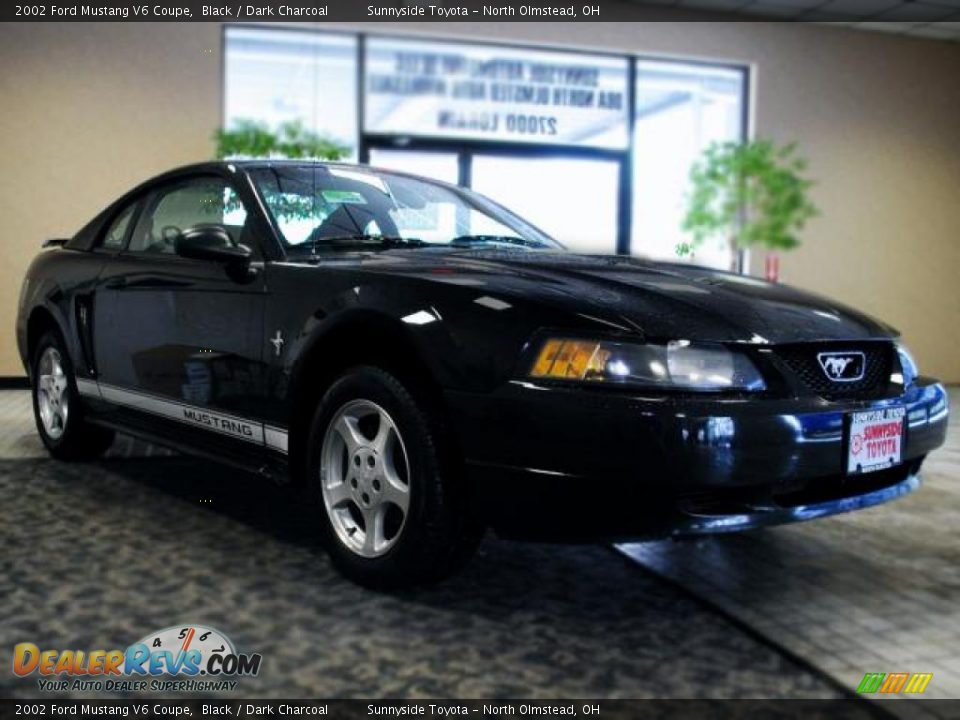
875	439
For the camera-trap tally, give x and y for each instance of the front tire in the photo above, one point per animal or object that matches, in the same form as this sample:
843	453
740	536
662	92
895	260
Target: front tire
56	405
383	481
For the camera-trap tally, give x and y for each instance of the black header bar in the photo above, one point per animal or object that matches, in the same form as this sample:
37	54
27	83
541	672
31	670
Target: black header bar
321	11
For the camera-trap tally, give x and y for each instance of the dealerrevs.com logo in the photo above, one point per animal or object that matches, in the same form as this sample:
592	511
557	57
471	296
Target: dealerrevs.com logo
182	658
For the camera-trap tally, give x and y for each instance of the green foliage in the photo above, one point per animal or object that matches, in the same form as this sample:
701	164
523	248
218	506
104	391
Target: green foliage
253	139
753	193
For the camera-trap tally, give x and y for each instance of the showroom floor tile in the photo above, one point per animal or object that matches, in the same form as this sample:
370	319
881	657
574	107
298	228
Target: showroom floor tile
874	591
19	438
103	553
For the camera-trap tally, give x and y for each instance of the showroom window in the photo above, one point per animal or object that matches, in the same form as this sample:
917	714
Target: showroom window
274	76
680	110
542	132
494	93
571	199
594	148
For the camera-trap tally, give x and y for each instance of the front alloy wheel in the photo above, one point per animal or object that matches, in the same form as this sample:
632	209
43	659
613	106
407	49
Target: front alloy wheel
365	478
381	470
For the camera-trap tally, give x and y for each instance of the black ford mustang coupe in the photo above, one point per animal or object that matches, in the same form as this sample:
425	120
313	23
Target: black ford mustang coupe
423	364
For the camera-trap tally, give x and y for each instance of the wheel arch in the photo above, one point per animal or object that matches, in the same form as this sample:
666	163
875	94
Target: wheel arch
40	321
361	337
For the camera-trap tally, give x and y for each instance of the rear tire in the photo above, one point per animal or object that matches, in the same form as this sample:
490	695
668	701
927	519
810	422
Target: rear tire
56	405
383	480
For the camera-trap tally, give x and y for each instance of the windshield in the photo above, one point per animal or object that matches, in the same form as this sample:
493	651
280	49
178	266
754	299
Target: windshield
320	208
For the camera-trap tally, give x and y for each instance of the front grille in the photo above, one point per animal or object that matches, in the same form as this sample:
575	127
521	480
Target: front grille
800	361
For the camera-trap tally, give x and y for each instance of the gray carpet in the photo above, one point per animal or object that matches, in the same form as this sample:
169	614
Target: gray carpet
97	556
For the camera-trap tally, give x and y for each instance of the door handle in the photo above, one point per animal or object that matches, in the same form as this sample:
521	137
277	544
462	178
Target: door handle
115	283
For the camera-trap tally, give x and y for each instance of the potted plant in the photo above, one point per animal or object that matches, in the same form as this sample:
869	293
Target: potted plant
752	193
292	139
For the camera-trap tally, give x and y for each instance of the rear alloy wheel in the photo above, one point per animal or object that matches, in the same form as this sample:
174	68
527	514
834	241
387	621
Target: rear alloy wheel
392	511
56	405
53	396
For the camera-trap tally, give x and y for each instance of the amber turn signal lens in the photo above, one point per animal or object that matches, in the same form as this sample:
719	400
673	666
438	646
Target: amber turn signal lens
570	360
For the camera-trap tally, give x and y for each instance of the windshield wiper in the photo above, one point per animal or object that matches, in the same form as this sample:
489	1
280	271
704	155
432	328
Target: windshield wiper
513	241
361	241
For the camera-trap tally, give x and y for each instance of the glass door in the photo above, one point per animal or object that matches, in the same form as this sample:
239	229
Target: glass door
438	165
572	199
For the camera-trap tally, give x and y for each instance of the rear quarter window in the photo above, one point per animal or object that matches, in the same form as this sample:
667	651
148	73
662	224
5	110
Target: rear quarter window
116	233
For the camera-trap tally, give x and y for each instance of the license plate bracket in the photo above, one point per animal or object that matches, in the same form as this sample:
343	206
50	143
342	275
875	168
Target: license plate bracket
875	439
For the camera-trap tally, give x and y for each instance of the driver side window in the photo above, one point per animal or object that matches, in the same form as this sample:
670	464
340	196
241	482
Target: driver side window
201	201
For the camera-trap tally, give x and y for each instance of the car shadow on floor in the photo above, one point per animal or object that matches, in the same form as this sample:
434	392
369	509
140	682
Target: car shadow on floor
501	580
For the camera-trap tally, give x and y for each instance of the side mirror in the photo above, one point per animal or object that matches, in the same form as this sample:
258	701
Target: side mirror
211	242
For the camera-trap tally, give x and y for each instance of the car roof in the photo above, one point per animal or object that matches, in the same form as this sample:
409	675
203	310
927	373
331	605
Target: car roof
246	164
257	163
252	163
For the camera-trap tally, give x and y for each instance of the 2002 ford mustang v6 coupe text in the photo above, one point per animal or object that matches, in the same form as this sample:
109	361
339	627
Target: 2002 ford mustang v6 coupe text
423	364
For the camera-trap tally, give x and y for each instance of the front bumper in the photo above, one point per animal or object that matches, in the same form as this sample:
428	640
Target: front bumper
564	463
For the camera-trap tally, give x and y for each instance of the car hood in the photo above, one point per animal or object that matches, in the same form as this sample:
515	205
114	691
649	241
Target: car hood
658	300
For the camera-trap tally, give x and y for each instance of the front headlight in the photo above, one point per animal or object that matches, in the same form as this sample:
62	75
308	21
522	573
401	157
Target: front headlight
677	364
908	364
